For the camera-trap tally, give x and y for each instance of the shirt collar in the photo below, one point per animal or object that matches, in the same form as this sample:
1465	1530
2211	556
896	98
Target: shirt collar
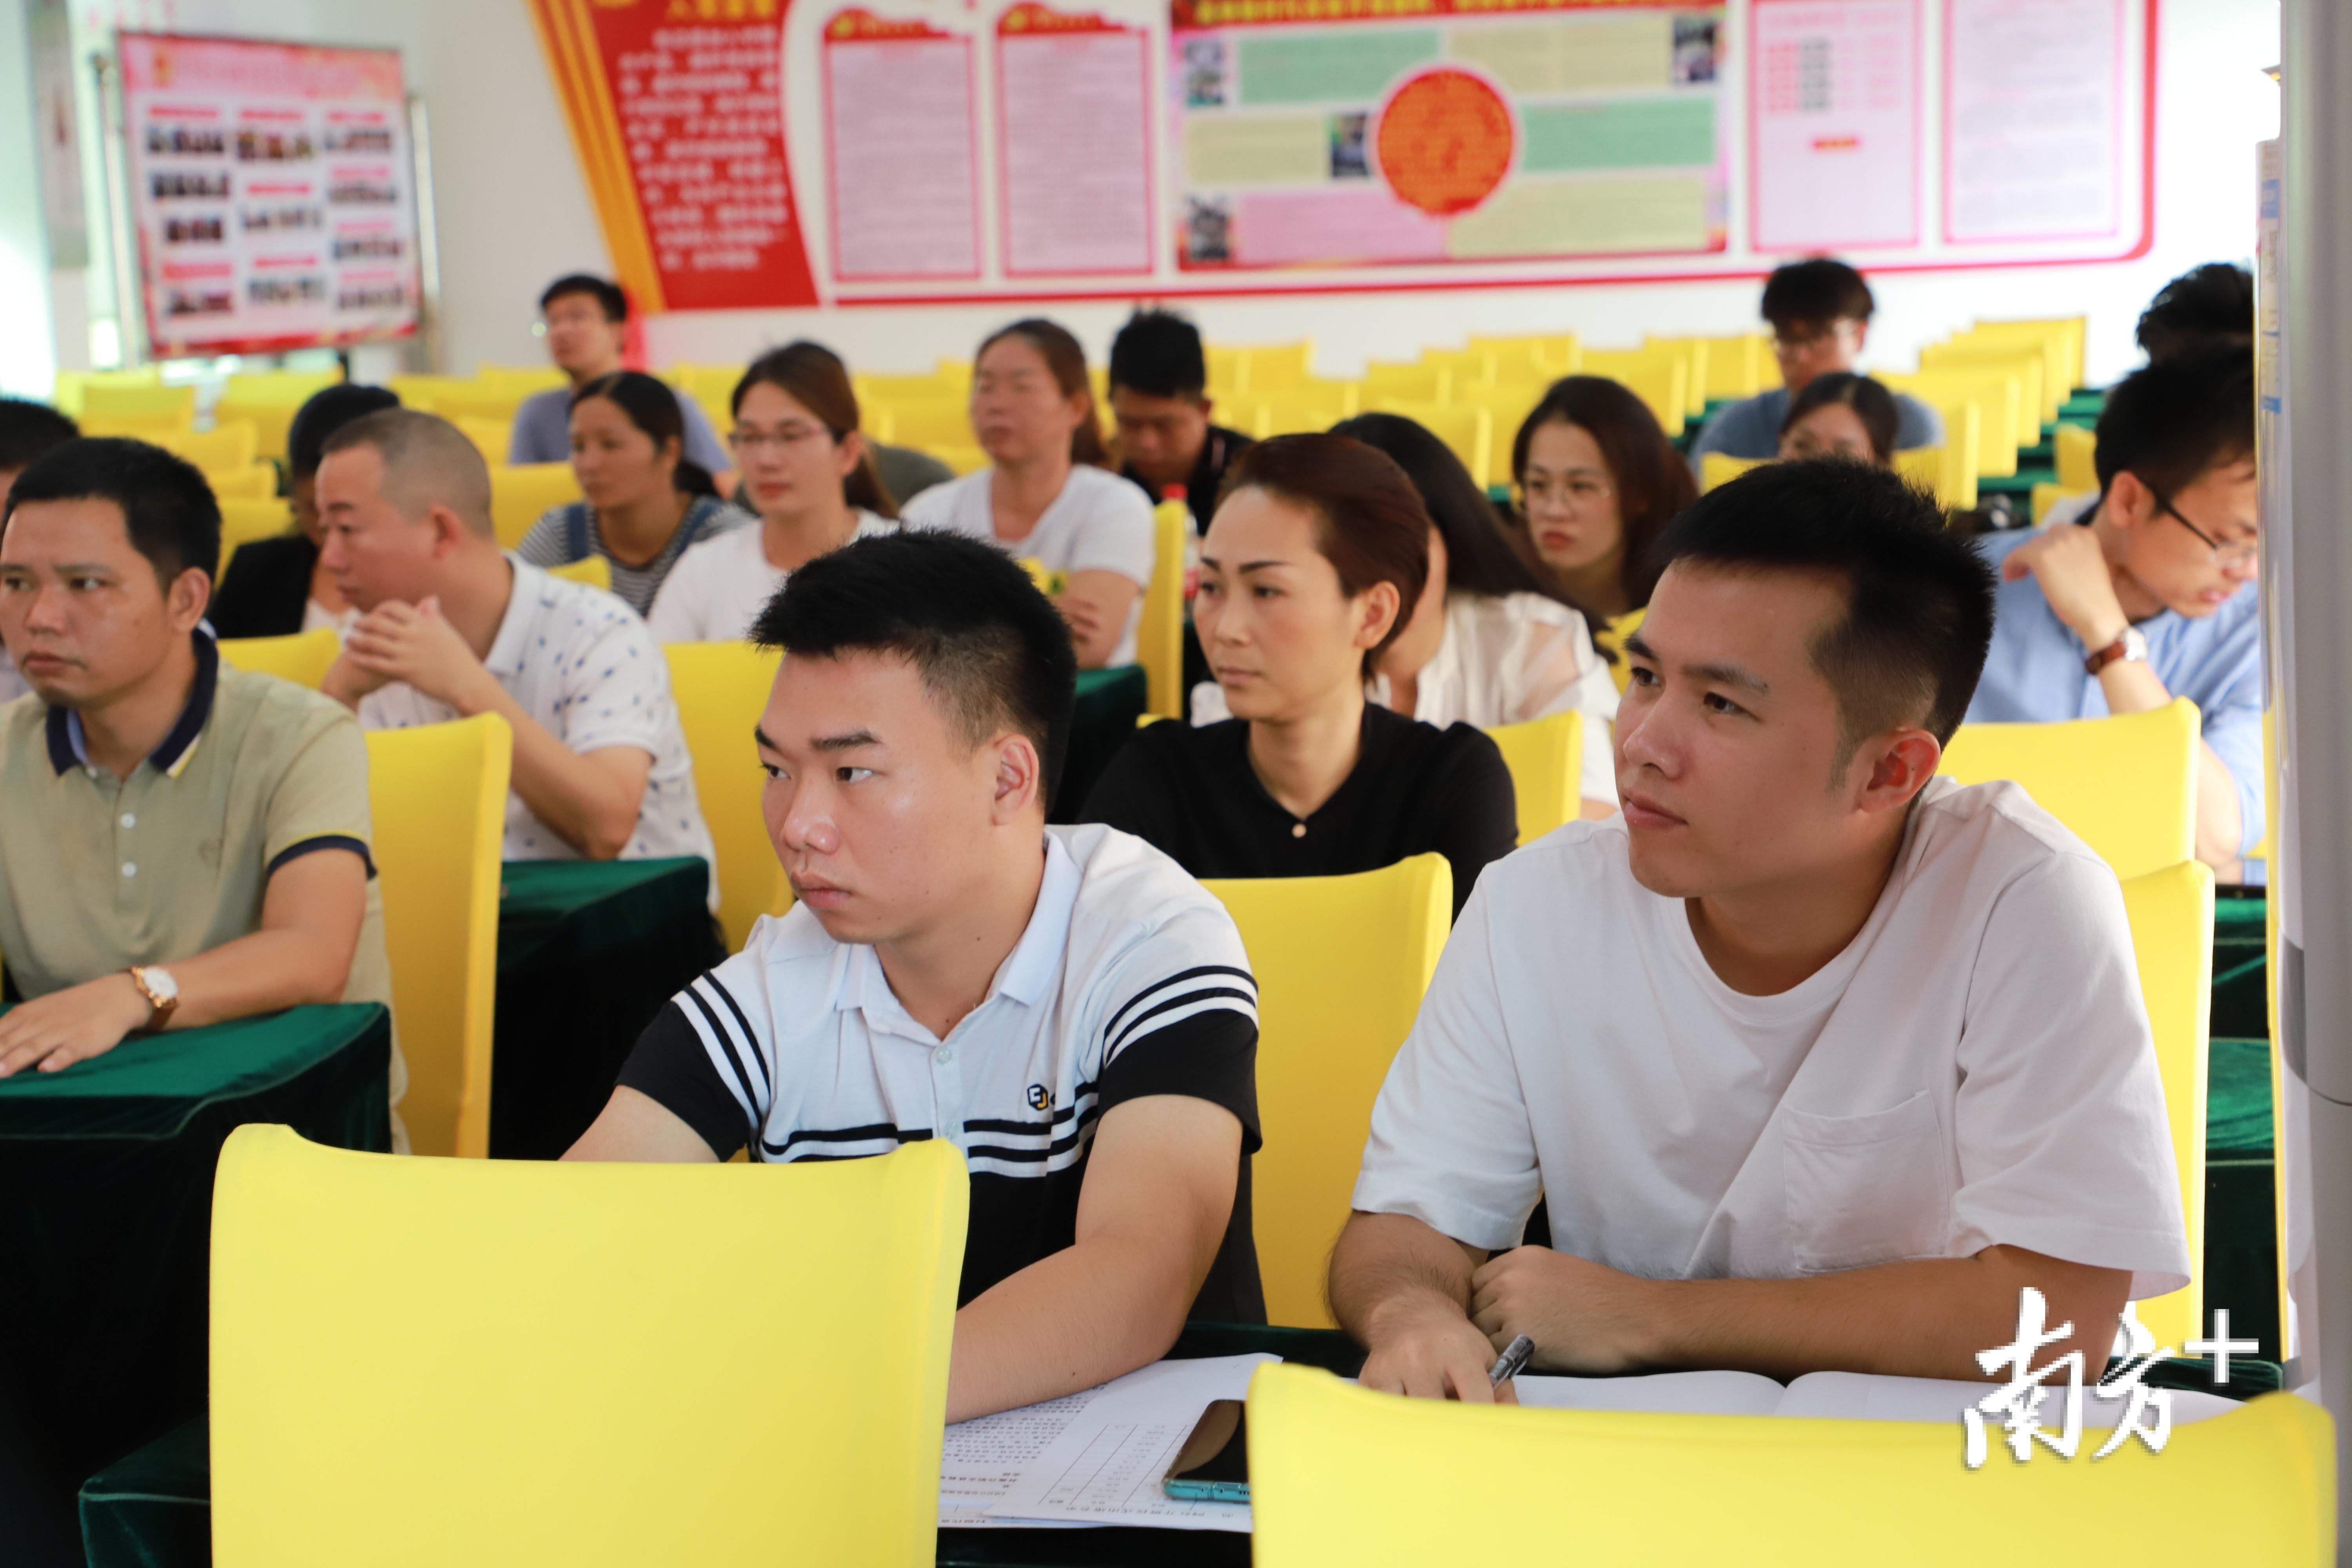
1026	971
1433	685
524	595
68	749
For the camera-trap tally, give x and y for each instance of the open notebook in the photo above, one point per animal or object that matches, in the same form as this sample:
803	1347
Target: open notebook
1849	1395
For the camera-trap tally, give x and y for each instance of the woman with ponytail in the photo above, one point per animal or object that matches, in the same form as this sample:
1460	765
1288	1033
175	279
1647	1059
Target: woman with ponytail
808	471
1046	494
646	503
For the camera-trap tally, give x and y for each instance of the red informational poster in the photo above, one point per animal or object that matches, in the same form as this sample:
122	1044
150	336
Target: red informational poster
903	157
677	111
1833	107
1075	143
272	194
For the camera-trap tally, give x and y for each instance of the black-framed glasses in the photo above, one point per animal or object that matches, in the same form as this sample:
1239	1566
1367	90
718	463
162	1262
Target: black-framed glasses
2223	554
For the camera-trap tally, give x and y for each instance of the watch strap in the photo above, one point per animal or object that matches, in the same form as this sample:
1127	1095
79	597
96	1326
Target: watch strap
2130	645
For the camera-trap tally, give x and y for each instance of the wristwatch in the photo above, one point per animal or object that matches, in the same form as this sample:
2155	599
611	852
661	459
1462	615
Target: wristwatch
2131	645
162	991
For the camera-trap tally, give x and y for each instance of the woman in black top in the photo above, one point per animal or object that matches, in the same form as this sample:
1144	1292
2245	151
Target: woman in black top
268	588
1319	543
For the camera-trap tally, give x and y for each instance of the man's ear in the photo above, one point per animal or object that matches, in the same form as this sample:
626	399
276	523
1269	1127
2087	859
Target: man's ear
2128	502
1900	766
449	530
190	595
1020	778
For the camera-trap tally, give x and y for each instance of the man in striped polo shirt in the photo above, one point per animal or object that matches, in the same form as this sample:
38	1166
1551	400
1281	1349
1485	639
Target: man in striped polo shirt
1064	1003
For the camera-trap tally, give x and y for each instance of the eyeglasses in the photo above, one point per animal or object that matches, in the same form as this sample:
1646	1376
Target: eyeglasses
2235	554
1575	493
784	436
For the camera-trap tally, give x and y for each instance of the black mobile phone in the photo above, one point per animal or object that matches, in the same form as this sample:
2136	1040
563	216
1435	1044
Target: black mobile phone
1213	1464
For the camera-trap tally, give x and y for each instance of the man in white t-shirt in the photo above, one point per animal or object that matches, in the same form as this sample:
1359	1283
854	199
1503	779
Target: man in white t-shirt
1815	1059
452	626
1064	1004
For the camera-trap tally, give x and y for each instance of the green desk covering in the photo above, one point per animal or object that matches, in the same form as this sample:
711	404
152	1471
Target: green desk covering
1109	703
106	1179
588	952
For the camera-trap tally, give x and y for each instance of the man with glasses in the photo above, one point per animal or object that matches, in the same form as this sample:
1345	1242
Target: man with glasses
1820	311
2150	598
585	320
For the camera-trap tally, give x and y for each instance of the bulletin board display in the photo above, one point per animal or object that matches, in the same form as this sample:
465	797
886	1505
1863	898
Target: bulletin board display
272	194
957	150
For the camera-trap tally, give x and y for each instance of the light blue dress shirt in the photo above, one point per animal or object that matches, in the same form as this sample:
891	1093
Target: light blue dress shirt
2034	673
1751	427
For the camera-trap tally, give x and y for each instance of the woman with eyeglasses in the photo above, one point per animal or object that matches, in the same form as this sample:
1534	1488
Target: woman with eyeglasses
648	503
1598	483
810	474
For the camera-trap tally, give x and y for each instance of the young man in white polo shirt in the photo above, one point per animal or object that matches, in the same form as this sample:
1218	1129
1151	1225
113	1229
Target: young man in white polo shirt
1068	1007
1815	1059
452	626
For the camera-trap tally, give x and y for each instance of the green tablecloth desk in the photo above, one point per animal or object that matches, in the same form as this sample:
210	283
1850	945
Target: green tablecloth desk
105	1182
588	952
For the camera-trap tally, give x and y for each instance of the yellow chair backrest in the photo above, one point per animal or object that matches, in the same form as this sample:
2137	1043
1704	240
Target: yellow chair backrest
1741	365
706	382
1610	639
437	794
1934	470
1341	963
1467	430
2078	458
136	408
939	422
1721	467
72	385
2036	404
1995	392
592	569
1507	405
1272	367
1288	413
229	445
521	493
2048	495
1540	356
1470	367
721	688
1159	634
1546	757
522	380
272	419
244	520
2171	914
302	658
1963	453
1697	354
1661	381
493	439
2059	339
1409	383
1049	581
1227	370
426	392
528	1393
2126	785
1340	1474
253	481
929	386
281	387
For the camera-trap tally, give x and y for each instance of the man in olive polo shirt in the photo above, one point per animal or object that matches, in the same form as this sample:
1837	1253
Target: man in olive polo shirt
180	844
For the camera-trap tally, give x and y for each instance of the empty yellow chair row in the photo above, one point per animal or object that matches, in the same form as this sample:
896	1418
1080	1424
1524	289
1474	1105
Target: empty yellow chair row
1999	397
521	493
1467	431
1546	757
72	385
1661	381
136	408
1261	367
2038	398
2071	769
1413	383
223	446
1544	357
721	688
1738	366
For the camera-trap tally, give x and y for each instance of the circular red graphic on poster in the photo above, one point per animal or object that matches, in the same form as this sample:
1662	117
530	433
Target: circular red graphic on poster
1444	141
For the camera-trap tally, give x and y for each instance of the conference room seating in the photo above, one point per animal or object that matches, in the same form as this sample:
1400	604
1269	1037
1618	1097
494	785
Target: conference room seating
2171	914
1661	381
1341	964
521	494
228	444
244	520
437	798
2076	447
537	1363
1467	430
2126	785
592	569
1546	757
253	481
302	658
1340	1475
1609	638
1159	633
721	688
142	410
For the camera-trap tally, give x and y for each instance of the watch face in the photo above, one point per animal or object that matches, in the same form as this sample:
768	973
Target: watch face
160	983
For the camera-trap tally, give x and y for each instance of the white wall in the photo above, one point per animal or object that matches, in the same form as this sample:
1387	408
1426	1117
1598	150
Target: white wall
27	352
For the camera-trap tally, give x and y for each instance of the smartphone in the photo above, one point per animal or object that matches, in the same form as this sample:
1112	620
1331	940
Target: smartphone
1213	1464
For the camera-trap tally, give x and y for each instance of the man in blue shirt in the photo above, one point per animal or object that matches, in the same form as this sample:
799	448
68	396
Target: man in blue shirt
585	319
1820	310
2151	596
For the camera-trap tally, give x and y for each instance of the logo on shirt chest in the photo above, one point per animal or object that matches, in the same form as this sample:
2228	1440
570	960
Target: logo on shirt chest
1040	1097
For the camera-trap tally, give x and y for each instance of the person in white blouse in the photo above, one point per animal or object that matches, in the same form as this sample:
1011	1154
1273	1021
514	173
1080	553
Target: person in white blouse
1489	642
1046	496
807	472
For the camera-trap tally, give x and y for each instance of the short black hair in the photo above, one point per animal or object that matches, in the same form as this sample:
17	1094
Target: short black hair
1815	292
326	411
604	291
1871	401
1159	354
1919	598
28	429
167	507
2206	307
2168	422
987	643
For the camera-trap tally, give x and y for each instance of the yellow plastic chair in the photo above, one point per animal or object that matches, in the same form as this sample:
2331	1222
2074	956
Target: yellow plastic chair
1963	452
1341	963
1721	467
1049	581
2171	914
927	387
425	393
1533	356
223	446
244	521
721	688
2124	785
1468	367
1610	639
705	382
1694	354
1467	430
1404	383
143	410
533	1364
1159	633
1289	412
1227	372
1660	381
1739	365
941	421
2069	331
493	439
522	380
1507	405
1938	472
1339	1474
1546	757
1275	367
437	794
521	493
71	385
2038	400
302	658
254	481
455	399
592	569
2078	458
1997	395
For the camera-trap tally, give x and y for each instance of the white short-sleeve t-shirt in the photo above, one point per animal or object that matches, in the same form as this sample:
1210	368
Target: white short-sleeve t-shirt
1974	1069
723	582
1099	523
583	666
